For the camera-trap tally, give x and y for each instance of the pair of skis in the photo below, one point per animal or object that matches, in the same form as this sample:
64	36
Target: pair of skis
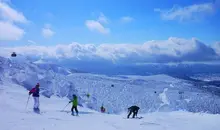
135	118
36	110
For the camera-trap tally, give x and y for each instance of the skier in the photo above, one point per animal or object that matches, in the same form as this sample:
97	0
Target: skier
102	109
74	106
35	93
134	110
88	95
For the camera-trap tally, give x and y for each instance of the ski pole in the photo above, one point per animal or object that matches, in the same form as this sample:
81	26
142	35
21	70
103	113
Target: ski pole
27	102
65	106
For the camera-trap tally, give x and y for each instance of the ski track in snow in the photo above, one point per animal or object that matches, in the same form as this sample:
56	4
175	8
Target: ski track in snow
14	116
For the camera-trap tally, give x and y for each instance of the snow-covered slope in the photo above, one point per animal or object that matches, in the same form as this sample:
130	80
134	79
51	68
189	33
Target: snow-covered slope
151	93
14	115
21	71
117	93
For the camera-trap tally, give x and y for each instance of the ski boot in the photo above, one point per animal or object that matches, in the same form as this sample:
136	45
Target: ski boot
37	110
72	114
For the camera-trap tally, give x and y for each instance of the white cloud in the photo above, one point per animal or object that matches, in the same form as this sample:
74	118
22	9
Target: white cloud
9	31
192	12
5	1
47	32
96	26
103	19
216	47
171	50
31	42
126	19
10	14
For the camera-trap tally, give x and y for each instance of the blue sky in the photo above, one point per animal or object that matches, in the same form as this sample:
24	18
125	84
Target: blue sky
50	22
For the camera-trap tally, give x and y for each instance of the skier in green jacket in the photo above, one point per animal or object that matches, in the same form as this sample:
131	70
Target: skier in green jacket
74	106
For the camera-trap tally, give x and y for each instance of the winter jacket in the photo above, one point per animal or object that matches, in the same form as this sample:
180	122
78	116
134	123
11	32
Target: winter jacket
102	109
35	92
75	102
133	108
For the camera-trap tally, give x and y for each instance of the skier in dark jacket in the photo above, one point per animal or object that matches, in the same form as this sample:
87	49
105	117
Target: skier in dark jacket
35	93
102	109
74	106
134	110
